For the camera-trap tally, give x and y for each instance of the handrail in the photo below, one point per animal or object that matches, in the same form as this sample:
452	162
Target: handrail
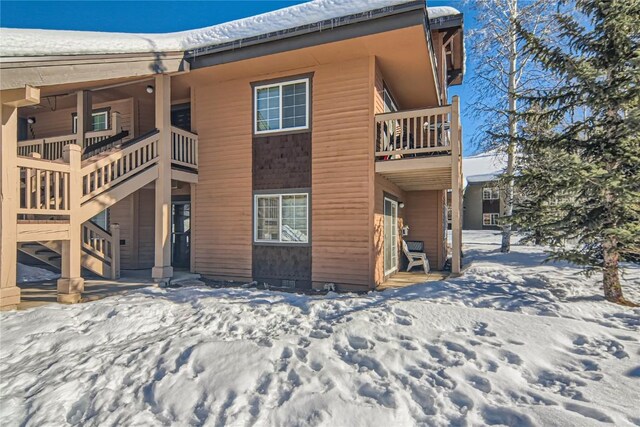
445	109
103	145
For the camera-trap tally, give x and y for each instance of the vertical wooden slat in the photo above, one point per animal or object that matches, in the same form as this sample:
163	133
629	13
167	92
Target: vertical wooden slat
37	188
56	190
27	187
65	191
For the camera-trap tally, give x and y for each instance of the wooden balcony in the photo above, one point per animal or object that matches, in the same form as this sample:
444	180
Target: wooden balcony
419	149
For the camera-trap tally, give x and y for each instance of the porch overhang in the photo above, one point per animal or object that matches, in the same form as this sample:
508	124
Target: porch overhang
41	71
415	174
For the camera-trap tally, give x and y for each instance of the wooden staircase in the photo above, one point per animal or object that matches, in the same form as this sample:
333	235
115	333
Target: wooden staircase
53	194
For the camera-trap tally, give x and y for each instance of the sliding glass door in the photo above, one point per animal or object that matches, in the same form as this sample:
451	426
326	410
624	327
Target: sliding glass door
390	236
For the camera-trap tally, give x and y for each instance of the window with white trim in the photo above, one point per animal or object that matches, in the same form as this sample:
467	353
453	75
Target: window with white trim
281	218
100	121
282	106
490	193
490	219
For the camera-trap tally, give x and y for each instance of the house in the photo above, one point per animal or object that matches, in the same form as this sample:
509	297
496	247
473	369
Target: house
482	201
294	148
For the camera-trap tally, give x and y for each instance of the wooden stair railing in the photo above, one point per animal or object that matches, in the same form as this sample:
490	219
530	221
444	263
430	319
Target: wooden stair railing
101	175
104	247
51	148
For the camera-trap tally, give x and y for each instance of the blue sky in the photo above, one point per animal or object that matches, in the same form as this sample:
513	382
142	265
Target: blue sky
167	16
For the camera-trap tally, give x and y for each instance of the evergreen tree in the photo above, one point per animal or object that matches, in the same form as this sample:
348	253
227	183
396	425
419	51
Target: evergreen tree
580	164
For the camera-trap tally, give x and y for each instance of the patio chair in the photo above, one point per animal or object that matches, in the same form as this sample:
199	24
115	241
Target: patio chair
415	258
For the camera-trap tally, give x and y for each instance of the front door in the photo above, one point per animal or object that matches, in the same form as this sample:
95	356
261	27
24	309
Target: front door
390	236
181	234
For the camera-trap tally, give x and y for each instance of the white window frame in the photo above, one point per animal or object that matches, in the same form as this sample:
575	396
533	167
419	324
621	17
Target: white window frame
280	85
394	226
493	219
106	121
279	241
494	193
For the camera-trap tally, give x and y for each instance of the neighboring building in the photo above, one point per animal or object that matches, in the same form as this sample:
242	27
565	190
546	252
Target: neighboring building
483	203
289	148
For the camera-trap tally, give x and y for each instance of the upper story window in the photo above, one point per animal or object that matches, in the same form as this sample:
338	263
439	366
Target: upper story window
490	193
282	106
100	121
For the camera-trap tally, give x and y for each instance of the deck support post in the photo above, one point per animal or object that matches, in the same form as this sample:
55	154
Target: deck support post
84	120
10	101
456	186
71	283
115	251
162	270
9	292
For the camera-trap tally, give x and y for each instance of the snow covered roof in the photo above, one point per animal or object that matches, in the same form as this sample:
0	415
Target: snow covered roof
33	42
442	11
483	167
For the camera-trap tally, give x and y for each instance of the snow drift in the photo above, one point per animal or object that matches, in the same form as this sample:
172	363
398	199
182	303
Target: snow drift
510	342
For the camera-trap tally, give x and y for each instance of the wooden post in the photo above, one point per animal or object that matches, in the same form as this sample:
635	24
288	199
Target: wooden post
162	270
80	119
71	283
10	101
9	292
115	251
116	123
192	234
456	162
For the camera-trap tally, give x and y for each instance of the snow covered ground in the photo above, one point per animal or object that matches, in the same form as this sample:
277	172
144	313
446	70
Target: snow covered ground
29	273
511	342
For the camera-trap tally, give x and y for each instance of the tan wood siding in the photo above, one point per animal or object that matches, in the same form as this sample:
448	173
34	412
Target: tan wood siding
145	112
146	227
58	122
223	218
123	213
136	218
341	174
424	214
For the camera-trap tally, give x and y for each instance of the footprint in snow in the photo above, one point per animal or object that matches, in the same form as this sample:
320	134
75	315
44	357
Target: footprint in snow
510	357
381	395
301	354
359	343
480	383
588	412
480	329
560	383
461	400
599	347
505	416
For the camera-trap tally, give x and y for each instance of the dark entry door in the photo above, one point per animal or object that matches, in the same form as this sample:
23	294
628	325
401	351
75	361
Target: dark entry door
181	234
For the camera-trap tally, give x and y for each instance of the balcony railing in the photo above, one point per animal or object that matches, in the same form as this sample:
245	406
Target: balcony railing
414	133
184	148
51	148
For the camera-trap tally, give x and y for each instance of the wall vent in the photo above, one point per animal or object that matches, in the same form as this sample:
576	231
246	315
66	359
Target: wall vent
288	283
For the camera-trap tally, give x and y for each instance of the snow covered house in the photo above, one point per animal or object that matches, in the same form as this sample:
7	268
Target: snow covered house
291	148
483	202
